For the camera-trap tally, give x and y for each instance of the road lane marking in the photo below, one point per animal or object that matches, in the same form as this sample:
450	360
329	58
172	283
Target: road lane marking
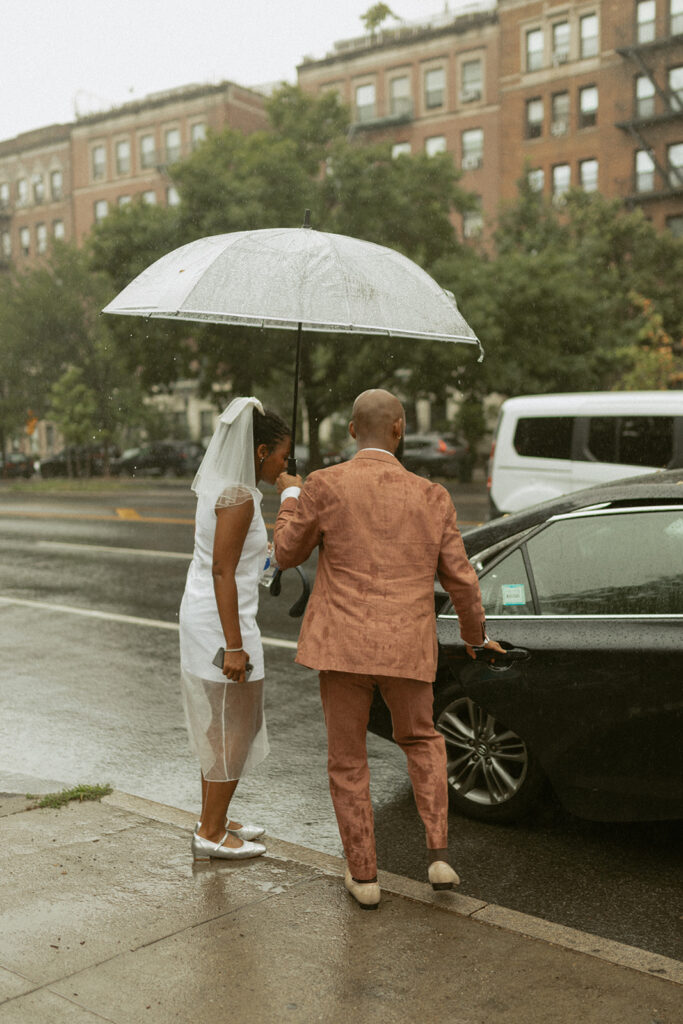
128	513
113	550
96	517
132	620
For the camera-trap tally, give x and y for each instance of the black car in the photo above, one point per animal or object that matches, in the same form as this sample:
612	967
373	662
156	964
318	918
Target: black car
160	458
78	461
590	586
434	455
15	464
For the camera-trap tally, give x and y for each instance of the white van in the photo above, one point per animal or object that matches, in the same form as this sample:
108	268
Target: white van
548	445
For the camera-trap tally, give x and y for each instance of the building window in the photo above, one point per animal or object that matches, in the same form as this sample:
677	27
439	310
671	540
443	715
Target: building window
472	223
148	156
400	149
6	242
435	87
399	96
534	49
645	171
588	175
589	35
99	162
56	185
197	134
676	18
123	157
22	192
41	237
172	143
4	195
536	179
471	81
101	209
674	224
676	87
588	106
675	159
435	144
123	200
38	189
559	123
172	196
149	197
58	228
645	96
561	181
534	118
645	21
365	102
560	42
472	148
25	241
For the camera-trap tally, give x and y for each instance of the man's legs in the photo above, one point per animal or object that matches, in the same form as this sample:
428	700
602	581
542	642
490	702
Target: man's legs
346	699
410	702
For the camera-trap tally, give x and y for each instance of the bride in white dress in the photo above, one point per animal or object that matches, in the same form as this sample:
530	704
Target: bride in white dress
224	705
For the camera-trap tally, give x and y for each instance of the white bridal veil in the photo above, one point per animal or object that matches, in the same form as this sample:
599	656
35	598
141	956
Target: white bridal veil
227	475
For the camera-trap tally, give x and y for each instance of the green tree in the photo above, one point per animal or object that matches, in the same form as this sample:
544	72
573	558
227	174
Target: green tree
376	16
73	407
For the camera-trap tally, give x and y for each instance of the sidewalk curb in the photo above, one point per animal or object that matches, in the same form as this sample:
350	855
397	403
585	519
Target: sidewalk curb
616	953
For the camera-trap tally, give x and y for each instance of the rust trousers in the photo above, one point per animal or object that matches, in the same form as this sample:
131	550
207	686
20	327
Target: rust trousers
346	699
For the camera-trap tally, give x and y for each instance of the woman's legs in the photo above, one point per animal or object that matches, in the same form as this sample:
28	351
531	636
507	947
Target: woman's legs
216	797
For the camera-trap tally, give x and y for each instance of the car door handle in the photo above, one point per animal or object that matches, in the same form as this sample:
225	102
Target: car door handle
502	661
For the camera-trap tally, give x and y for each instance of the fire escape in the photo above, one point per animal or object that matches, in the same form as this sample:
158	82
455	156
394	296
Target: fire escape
645	53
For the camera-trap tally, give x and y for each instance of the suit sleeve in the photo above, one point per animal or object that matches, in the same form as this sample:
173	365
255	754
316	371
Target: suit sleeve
458	578
297	531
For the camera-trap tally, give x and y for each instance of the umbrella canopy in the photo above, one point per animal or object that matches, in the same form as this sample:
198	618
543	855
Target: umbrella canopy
296	278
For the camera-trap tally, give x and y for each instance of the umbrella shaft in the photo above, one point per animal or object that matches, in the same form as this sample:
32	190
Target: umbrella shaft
291	464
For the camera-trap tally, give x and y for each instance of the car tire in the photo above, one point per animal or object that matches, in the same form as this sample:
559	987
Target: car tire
492	774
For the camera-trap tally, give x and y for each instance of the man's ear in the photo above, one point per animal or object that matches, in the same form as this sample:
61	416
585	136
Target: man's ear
352	430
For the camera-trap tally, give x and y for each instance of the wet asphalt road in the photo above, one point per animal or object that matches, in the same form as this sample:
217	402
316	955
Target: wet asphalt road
95	698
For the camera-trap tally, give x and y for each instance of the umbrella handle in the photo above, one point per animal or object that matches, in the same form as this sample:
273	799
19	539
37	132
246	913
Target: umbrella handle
291	466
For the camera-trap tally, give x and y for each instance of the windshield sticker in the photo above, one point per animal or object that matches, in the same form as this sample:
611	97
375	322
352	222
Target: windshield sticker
513	593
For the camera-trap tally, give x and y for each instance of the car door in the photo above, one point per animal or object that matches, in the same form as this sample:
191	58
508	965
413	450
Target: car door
596	598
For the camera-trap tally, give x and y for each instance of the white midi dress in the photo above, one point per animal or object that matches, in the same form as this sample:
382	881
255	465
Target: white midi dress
225	720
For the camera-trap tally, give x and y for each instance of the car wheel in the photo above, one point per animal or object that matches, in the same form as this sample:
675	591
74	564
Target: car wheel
492	774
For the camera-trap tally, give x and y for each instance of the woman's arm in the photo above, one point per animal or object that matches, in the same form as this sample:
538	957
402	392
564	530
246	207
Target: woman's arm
232	525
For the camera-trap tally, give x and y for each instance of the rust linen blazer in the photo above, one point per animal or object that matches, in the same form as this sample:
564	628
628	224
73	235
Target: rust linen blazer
383	534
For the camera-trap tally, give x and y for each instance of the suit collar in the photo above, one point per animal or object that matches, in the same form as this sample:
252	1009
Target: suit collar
373	453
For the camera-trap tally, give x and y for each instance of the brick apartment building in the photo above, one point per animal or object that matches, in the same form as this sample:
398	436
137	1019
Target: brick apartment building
582	93
59	180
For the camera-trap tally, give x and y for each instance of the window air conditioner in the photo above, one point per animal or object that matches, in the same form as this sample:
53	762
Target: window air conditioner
470	163
470	95
559	128
560	57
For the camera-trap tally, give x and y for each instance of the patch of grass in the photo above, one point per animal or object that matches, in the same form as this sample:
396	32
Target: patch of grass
79	793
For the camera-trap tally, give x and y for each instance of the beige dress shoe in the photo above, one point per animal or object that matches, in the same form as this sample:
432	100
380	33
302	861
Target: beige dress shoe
442	876
366	894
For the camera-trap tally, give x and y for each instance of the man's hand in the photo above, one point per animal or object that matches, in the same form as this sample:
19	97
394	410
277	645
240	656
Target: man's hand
286	480
490	645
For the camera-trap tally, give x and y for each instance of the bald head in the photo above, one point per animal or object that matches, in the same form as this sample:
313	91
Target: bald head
378	420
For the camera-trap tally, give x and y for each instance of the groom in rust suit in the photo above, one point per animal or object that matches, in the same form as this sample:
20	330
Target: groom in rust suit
383	534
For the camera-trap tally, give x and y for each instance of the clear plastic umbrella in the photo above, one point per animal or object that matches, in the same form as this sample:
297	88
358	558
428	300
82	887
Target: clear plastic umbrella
297	279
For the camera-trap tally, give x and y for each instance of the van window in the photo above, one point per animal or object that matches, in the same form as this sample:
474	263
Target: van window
632	440
544	437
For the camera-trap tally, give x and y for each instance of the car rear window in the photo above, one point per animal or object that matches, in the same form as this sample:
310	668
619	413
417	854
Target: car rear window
544	437
632	440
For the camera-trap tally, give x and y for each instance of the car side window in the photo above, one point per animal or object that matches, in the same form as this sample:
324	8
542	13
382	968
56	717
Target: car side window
628	563
632	440
505	588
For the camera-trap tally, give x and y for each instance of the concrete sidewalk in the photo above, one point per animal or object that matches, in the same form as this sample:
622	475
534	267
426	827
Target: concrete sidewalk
104	917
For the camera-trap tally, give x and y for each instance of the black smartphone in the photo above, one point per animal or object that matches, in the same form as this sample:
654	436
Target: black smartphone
220	655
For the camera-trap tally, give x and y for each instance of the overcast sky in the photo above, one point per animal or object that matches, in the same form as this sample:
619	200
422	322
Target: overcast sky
60	57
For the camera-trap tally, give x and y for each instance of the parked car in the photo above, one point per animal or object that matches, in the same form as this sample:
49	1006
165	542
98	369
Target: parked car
434	454
591	586
16	464
160	458
86	460
548	445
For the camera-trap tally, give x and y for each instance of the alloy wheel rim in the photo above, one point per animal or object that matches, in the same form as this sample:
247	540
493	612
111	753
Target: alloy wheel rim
486	762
